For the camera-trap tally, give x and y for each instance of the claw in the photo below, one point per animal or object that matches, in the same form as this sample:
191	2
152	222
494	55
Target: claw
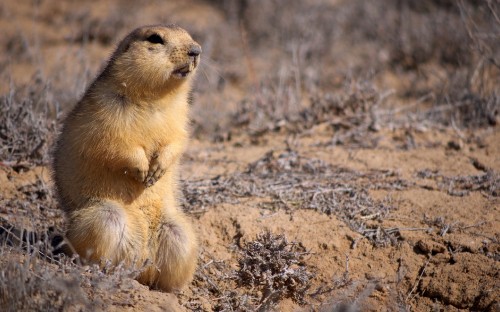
154	174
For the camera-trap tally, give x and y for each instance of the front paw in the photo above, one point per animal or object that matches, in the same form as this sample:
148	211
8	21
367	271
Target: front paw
155	172
136	164
137	174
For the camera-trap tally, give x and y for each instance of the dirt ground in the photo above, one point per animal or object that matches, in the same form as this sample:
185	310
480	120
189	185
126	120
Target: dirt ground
320	177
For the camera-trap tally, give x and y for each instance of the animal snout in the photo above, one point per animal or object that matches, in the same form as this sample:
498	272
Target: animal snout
194	50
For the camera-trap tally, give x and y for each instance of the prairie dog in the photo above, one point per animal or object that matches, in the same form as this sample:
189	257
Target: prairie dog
116	160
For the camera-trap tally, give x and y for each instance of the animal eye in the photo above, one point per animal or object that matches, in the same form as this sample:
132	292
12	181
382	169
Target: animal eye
155	38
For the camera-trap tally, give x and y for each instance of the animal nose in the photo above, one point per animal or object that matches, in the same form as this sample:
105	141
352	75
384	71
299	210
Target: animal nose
194	50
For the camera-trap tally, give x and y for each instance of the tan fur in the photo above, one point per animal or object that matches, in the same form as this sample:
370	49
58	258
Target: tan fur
116	160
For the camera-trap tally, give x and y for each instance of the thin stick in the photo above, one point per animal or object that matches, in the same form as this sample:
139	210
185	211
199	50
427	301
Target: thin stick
346	273
419	278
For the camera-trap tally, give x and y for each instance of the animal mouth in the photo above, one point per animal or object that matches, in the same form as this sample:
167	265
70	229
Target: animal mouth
184	70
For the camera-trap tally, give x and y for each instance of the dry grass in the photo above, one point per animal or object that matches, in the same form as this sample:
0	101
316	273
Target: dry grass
26	127
269	269
487	183
34	278
274	267
30	284
289	181
292	79
460	39
34	274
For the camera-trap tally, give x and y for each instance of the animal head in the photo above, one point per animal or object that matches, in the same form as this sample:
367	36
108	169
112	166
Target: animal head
155	58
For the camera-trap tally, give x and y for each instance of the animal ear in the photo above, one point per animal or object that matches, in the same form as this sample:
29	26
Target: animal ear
124	48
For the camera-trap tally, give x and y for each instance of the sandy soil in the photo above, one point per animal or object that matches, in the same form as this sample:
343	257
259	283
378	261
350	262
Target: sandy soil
411	223
445	248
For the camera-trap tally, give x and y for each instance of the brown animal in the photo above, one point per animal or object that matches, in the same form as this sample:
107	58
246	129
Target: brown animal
116	159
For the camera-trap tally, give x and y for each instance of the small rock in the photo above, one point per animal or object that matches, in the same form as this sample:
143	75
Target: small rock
455	145
430	247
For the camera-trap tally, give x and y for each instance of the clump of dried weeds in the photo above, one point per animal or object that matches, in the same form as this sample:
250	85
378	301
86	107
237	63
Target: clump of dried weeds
487	183
276	267
215	279
26	128
33	278
270	268
28	283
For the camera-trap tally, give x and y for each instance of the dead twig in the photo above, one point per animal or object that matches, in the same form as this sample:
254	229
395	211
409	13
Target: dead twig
415	285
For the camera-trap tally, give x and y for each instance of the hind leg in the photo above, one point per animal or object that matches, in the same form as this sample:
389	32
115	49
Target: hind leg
105	231
175	253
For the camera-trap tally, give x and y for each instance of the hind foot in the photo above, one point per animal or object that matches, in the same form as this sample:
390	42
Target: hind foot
105	232
175	254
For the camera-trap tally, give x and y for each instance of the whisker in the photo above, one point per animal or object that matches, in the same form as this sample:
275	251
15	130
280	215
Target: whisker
208	64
